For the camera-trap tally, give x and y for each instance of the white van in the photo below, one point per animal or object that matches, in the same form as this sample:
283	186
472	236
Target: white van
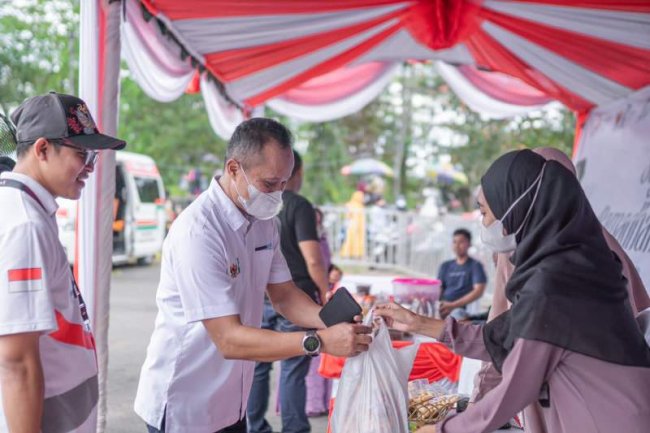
138	210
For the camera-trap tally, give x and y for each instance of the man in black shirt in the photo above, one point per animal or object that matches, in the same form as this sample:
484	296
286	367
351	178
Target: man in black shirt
300	246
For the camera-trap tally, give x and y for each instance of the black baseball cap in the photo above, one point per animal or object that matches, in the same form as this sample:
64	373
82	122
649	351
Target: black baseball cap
56	116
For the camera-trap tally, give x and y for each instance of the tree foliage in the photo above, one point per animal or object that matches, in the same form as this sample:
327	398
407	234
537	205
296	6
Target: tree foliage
38	49
176	134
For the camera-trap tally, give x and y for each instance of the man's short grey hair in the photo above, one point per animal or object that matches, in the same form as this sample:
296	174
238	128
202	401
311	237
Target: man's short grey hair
251	135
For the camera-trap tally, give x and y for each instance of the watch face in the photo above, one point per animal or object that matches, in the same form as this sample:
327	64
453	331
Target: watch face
311	344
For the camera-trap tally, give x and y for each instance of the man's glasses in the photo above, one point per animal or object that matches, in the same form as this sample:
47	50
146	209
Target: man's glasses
89	156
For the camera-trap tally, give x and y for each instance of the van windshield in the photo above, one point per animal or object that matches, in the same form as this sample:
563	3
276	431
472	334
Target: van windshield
147	189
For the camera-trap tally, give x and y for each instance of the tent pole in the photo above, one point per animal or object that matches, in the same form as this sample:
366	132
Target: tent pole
99	63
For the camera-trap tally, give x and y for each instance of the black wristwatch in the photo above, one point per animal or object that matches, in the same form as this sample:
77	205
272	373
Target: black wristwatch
311	343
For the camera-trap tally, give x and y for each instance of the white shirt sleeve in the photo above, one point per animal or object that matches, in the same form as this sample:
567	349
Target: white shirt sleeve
279	270
25	301
201	274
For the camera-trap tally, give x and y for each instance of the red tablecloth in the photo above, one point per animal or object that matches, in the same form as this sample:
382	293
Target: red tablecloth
433	361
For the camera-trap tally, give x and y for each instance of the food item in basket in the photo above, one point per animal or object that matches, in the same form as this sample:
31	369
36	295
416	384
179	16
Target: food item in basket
425	409
422	398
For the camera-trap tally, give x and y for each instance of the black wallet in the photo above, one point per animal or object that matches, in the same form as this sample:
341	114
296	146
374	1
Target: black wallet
341	308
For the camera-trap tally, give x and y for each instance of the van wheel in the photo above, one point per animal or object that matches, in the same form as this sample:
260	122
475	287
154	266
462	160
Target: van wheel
145	261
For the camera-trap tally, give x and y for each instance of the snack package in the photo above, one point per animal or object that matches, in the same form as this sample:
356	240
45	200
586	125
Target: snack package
372	396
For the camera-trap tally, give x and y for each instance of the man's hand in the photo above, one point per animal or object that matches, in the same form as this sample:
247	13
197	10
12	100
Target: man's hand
398	317
345	339
445	308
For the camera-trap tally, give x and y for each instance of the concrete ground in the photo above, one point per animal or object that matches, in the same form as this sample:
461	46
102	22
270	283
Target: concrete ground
133	310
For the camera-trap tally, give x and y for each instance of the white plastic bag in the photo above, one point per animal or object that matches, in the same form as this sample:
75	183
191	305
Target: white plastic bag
372	396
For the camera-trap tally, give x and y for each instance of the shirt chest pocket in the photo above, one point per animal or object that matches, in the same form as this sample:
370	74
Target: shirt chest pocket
261	267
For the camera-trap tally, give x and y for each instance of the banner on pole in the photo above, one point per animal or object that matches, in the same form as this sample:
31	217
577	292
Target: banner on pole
613	163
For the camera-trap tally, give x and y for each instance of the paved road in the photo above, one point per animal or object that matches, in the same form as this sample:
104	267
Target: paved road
133	310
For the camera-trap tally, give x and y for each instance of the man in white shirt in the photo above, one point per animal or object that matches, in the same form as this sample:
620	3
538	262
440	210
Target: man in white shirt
222	253
48	367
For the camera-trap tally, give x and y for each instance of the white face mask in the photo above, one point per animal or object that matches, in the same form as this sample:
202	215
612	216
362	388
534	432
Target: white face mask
493	236
260	205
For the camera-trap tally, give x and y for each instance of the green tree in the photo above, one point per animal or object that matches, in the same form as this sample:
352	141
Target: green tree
482	141
176	134
38	49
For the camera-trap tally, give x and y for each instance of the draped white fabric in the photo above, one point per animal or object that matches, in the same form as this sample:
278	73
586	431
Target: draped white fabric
401	45
335	110
154	61
233	33
94	235
478	100
224	117
256	83
588	84
627	28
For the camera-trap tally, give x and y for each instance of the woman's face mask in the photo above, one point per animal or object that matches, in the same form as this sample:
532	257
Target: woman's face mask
260	205
493	235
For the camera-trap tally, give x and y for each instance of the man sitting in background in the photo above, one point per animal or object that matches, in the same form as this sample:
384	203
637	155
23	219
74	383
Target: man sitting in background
463	278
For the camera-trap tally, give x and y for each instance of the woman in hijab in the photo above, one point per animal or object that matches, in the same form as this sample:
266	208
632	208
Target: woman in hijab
569	340
487	378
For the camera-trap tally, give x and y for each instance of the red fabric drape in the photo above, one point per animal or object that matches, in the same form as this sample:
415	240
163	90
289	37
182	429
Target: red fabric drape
491	54
441	24
193	9
189	9
194	86
627	65
234	64
436	24
581	119
615	5
433	362
503	87
325	67
336	85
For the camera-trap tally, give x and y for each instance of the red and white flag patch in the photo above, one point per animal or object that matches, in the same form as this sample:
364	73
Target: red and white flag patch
25	280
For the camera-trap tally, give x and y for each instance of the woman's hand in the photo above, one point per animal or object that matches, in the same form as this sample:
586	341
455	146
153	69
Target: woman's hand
398	317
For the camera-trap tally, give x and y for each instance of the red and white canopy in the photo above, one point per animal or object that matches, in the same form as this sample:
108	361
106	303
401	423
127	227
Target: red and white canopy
323	59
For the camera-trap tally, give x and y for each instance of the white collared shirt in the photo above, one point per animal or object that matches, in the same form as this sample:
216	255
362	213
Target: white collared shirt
36	296
215	263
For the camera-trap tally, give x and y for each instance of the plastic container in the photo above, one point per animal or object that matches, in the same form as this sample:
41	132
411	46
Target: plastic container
406	290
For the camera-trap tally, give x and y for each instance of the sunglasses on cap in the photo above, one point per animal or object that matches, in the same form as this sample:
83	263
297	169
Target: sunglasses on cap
89	156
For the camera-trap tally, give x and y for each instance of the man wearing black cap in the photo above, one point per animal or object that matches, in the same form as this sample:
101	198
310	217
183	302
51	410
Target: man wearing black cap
48	367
